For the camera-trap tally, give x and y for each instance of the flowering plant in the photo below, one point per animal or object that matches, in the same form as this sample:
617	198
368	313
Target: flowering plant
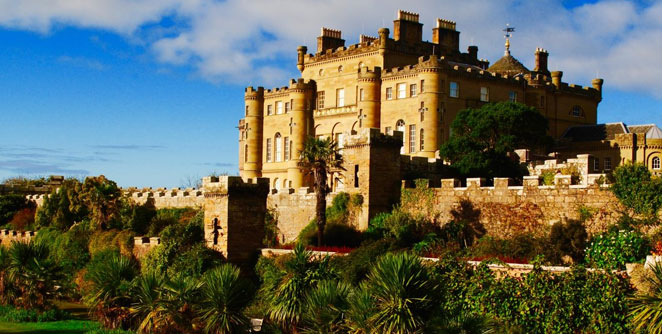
612	250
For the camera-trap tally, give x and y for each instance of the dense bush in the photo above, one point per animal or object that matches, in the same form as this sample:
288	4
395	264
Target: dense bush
612	250
12	314
11	205
568	239
337	231
637	189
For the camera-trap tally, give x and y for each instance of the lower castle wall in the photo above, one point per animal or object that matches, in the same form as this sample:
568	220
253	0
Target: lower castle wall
9	236
504	211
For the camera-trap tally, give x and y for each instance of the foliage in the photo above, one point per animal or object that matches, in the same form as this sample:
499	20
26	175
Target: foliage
325	306
271	231
483	140
403	294
337	231
224	296
637	189
136	217
63	206
646	306
114	240
569	239
355	267
320	156
419	201
12	314
23	219
103	200
10	205
612	250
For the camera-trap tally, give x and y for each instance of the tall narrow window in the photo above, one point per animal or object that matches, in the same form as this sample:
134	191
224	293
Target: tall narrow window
512	96
596	164
400	126
340	97
454	89
656	163
422	111
389	93
287	107
412	90
279	107
245	153
422	86
607	163
279	147
484	94
422	140
287	148
356	176
360	94
268	149
412	138
402	90
270	110
246	110
320	100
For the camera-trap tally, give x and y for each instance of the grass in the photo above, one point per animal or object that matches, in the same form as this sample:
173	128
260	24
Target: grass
63	327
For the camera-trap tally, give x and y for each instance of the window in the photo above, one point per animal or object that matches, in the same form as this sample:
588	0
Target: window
596	164
287	148
412	138
356	176
389	131
656	163
276	184
454	89
321	72
279	147
422	111
340	97
400	126
402	90
512	96
340	68
484	94
246	110
422	85
412	90
360	94
245	153
268	149
279	107
287	107
577	111
389	93
270	109
422	141
320	100
607	163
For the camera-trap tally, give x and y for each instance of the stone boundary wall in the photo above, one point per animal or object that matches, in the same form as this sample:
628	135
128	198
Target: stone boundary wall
142	245
163	198
505	210
9	236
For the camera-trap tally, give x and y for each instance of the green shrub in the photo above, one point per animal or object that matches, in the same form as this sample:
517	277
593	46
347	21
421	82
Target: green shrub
355	266
612	250
11	314
637	189
568	239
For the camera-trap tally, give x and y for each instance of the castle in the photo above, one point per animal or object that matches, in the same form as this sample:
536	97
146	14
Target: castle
394	84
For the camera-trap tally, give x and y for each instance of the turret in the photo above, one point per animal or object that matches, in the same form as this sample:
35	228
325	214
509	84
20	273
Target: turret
445	35
329	39
383	39
301	53
597	84
407	28
253	125
428	108
369	99
300	93
556	78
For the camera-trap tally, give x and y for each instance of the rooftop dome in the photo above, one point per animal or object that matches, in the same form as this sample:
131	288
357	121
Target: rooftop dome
508	65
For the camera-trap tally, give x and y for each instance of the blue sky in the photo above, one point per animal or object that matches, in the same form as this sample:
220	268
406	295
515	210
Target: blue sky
149	92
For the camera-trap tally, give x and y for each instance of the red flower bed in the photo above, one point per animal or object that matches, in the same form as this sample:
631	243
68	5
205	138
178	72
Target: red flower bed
335	249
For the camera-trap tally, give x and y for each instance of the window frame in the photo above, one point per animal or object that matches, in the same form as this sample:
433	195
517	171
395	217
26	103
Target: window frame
421	135
656	164
279	107
412	138
413	90
340	97
320	100
512	96
401	91
270	110
389	93
268	150
454	89
484	94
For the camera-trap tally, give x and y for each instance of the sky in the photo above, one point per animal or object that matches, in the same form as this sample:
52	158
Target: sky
149	92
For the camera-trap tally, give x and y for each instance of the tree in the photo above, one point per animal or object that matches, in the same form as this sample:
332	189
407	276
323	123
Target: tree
62	207
103	198
326	305
637	189
646	306
33	274
224	296
10	205
320	156
483	141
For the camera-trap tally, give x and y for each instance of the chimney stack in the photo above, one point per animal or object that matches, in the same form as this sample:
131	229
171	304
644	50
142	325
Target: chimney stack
329	39
541	61
473	51
407	28
445	35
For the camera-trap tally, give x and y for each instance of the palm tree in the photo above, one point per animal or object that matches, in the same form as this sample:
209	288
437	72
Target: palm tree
32	273
403	292
646	306
325	308
149	308
181	294
361	308
224	295
320	156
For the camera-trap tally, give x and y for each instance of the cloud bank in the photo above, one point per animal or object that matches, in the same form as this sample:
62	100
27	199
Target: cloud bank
244	41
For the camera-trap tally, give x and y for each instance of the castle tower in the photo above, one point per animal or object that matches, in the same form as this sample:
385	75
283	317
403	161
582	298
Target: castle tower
300	95
429	109
253	132
369	99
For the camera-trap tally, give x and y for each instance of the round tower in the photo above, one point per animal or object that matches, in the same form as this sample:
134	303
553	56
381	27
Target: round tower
429	108
253	127
369	101
298	129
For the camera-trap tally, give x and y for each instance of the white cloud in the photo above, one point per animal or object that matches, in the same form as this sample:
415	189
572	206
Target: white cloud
241	41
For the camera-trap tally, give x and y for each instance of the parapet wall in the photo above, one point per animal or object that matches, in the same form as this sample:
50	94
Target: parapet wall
163	198
9	236
505	210
142	245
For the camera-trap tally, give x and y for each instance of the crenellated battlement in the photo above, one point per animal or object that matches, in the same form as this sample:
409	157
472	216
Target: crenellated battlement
296	85
446	24
328	32
408	16
373	136
9	236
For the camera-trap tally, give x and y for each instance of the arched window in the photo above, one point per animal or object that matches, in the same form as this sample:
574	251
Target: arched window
285	184
400	126
340	68
278	141
276	184
656	163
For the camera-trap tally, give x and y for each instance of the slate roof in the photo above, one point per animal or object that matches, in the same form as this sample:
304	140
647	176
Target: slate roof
595	132
508	65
